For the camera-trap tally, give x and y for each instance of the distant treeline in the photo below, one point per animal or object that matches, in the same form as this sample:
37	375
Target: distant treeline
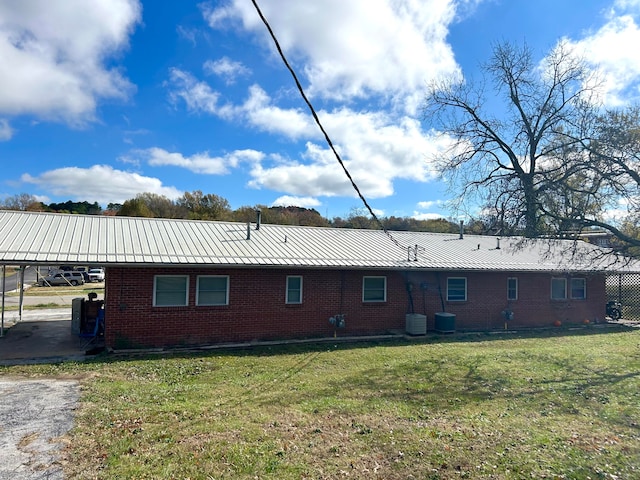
198	206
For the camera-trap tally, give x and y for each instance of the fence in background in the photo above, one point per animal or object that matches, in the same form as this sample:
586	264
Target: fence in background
625	288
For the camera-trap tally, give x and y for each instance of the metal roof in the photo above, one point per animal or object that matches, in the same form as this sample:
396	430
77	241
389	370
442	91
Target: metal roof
54	239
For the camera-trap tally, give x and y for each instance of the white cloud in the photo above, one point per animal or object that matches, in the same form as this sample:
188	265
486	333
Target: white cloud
226	69
427	216
358	48
6	132
198	163
289	201
292	123
188	34
371	53
375	147
613	48
429	204
197	95
101	183
627	5
257	109
56	56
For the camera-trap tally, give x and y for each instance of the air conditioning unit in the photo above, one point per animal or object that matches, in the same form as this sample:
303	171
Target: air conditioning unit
445	322
416	324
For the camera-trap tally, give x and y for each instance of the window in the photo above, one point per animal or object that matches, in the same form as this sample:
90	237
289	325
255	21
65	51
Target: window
558	289
456	289
294	290
578	288
170	290
512	288
374	289
212	290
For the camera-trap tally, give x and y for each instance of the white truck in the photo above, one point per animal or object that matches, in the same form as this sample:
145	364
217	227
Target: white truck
96	274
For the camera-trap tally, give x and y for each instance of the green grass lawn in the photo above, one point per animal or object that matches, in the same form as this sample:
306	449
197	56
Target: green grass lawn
555	404
79	290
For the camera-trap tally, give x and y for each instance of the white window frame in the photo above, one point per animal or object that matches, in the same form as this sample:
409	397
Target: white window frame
369	289
155	291
449	299
559	279
515	280
226	293
290	290
584	288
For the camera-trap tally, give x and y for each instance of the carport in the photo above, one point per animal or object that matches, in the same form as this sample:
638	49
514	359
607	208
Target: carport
38	335
42	336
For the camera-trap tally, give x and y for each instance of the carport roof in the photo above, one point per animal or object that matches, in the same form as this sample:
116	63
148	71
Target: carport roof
55	239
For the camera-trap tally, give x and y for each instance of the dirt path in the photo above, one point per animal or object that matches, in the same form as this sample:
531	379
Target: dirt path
33	415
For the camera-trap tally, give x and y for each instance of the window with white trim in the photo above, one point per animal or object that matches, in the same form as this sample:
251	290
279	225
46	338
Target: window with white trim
512	288
456	289
294	289
374	289
212	290
578	288
170	290
558	288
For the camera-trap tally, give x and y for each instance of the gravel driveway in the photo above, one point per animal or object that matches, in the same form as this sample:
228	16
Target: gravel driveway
33	414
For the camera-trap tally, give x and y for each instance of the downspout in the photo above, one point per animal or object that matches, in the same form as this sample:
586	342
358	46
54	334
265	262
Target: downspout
409	288
440	291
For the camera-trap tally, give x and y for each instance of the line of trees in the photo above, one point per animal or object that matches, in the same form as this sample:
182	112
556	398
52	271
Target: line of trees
199	206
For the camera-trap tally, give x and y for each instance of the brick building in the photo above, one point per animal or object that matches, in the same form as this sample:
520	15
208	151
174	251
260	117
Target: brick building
182	282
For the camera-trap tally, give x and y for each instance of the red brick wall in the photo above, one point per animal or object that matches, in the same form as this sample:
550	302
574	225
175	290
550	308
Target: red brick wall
257	309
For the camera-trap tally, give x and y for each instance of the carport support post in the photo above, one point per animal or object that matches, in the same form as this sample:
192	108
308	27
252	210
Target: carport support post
2	314
21	291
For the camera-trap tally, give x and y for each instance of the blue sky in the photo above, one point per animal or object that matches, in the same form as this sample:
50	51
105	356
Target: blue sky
103	99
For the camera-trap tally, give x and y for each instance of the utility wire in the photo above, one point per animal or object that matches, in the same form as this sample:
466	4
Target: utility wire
317	120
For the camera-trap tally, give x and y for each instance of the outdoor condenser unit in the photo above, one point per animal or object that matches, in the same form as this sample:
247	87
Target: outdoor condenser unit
445	322
416	324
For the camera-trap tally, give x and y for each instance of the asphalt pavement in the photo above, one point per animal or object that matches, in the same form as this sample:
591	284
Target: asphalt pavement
33	417
11	280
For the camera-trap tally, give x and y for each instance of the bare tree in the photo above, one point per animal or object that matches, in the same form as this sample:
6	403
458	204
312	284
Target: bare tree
509	161
604	174
22	202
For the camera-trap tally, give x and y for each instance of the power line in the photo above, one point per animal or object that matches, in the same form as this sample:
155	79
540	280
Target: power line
317	120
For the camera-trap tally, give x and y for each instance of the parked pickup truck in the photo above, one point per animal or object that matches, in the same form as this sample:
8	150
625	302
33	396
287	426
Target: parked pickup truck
96	275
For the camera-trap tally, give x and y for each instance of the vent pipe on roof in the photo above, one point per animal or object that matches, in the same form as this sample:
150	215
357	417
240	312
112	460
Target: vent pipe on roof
498	244
248	230
258	218
461	229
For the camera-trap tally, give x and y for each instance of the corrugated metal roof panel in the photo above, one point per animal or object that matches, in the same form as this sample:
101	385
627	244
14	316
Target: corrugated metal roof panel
32	237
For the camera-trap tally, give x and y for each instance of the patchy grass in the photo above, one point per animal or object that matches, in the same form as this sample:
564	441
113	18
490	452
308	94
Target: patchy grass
80	290
558	405
39	306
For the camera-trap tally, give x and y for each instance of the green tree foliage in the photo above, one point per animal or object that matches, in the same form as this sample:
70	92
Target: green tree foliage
161	206
83	208
201	206
135	207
